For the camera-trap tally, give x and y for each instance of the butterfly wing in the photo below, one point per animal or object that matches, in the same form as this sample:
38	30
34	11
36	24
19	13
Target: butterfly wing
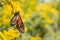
20	25
13	21
20	29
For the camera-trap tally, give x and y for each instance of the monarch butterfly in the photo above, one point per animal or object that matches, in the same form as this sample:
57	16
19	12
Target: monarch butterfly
16	20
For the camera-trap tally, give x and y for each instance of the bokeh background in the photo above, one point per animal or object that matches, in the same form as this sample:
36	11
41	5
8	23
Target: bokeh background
41	19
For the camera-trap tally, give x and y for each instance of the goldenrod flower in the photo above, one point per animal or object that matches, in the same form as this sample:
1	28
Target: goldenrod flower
48	20
35	38
47	26
5	20
26	29
22	1
2	36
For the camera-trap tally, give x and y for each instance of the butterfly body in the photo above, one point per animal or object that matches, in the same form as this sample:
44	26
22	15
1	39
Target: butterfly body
16	20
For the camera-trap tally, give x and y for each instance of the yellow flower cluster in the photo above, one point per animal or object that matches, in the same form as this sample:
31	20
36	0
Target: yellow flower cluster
11	34
45	10
35	38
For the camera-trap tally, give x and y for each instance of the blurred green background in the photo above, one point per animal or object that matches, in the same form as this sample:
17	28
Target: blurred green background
41	19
